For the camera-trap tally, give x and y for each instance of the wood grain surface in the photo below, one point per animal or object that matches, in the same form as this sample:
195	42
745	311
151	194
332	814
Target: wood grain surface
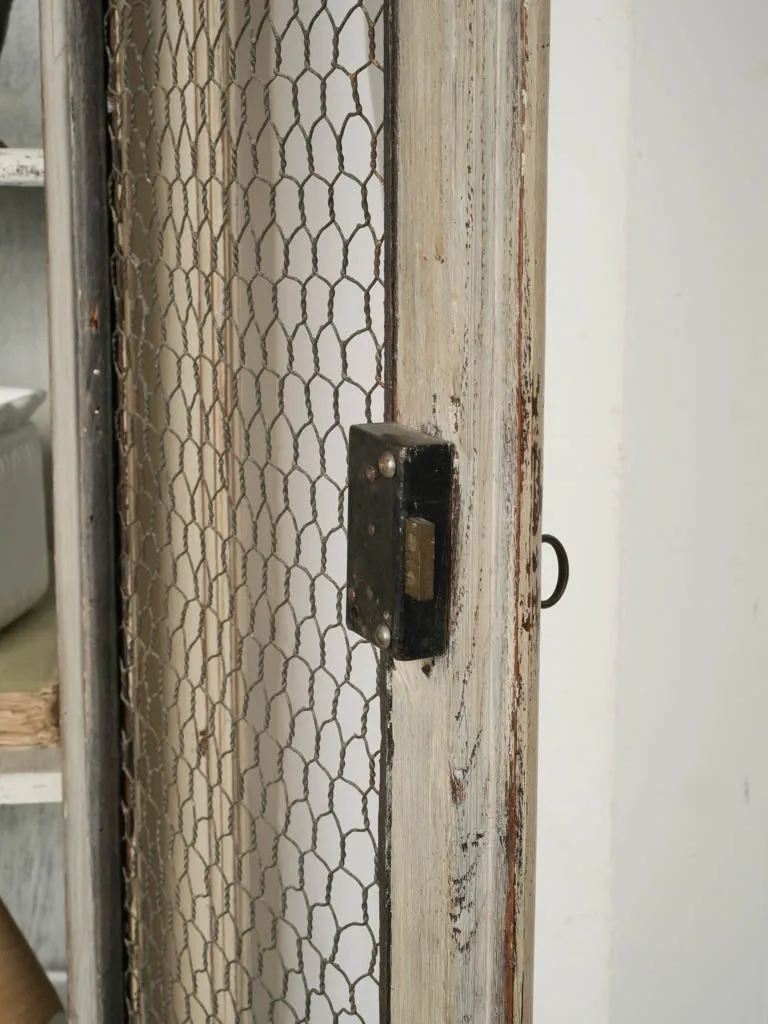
468	316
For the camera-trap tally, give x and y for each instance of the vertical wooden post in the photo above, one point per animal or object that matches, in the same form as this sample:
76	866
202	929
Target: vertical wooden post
467	166
79	297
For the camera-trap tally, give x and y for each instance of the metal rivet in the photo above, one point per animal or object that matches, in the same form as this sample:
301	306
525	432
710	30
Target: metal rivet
387	465
382	636
370	474
371	529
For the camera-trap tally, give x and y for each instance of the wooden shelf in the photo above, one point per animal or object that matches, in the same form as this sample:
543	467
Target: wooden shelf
30	776
29	679
22	167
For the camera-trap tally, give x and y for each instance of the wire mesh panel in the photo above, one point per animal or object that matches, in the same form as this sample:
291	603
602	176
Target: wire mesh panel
247	207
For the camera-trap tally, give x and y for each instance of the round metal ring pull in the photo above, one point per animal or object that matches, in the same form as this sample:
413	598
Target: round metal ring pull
563	570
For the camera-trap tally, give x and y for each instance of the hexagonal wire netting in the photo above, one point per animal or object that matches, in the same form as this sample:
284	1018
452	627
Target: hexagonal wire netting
247	208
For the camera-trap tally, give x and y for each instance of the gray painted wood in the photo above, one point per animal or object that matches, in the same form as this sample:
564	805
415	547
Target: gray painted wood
468	293
32	877
79	299
21	122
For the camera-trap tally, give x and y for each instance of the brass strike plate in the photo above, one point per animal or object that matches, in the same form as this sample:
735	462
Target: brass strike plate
419	558
398	564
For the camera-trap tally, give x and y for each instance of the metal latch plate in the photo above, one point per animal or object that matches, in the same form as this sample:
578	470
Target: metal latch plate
398	563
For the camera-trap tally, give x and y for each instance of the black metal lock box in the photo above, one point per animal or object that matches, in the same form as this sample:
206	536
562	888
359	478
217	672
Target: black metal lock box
399	550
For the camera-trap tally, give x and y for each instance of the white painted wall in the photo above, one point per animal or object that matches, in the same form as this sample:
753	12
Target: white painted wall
586	286
653	801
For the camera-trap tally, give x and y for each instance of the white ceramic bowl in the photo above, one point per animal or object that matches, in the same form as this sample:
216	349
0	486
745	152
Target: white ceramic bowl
17	405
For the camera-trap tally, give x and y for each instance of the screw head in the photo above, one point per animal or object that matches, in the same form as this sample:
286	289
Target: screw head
382	637
387	465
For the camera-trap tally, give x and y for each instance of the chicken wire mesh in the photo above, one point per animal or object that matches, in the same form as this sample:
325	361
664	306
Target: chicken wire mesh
247	211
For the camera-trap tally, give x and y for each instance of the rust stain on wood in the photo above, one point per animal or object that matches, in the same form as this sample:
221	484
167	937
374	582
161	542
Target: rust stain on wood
510	917
520	815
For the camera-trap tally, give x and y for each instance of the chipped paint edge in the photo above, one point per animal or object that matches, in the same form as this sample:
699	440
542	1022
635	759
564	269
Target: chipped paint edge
466	340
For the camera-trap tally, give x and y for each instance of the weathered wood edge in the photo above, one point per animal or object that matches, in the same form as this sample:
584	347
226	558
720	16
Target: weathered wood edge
468	81
30	719
22	168
79	297
30	775
531	286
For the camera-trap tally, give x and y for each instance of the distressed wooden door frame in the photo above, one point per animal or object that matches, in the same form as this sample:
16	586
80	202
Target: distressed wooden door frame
465	249
466	187
80	339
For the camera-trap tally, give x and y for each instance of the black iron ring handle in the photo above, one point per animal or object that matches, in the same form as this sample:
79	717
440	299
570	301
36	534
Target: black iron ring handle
563	570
